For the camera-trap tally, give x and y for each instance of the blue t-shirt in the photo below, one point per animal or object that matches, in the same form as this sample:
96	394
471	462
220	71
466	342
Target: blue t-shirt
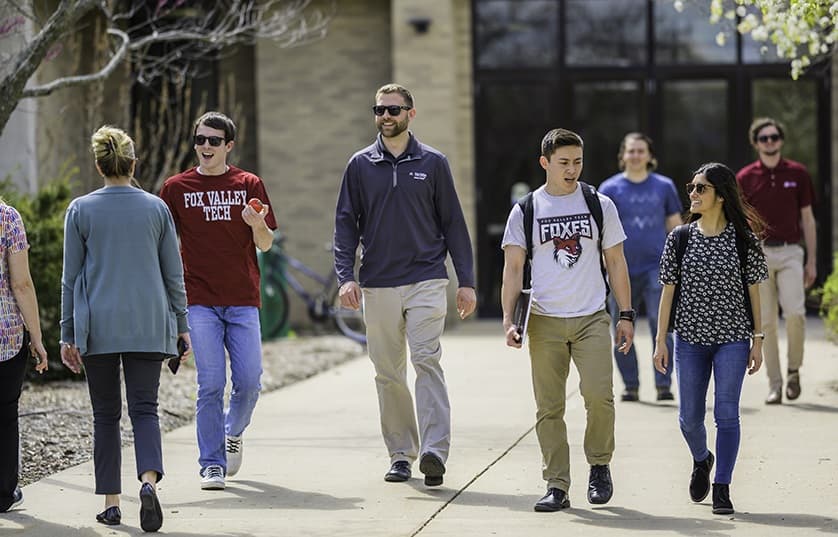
643	209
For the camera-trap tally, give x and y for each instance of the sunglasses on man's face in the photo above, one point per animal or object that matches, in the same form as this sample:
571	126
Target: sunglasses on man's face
214	141
769	137
698	187
393	110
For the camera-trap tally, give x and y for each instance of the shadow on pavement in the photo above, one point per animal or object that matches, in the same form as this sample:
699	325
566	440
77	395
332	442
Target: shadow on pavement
791	520
512	502
604	518
33	527
810	407
256	495
629	519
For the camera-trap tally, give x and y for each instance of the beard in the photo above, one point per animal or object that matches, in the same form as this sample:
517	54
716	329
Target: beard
391	131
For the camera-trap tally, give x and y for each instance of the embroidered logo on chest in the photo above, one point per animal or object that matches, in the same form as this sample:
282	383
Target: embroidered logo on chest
419	176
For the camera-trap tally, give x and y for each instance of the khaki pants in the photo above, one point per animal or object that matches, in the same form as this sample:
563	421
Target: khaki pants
784	286
415	311
553	343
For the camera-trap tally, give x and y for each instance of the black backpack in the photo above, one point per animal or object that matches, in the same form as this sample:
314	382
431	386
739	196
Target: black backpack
682	236
594	207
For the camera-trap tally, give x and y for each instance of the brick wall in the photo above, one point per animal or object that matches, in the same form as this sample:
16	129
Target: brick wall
313	107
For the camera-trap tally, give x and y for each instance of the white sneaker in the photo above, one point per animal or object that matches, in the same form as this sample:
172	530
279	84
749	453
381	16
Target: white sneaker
212	477
234	454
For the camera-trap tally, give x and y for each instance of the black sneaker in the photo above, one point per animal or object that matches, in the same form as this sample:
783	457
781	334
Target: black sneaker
664	394
554	500
398	473
433	468
721	499
700	478
600	486
630	394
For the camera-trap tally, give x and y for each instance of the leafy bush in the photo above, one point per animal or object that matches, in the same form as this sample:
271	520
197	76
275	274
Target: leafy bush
829	301
43	216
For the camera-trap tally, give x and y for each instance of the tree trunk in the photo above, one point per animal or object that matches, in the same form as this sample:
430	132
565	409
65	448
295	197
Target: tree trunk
26	62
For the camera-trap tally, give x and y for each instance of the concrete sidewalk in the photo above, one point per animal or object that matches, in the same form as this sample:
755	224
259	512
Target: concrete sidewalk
314	463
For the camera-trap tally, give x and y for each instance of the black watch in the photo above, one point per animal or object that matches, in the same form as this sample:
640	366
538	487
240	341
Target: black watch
628	315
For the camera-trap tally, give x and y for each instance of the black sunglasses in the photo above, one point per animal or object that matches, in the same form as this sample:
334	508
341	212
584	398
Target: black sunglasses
214	141
698	187
766	137
393	110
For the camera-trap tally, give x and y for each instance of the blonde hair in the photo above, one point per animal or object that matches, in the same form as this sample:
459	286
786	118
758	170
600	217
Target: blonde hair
113	150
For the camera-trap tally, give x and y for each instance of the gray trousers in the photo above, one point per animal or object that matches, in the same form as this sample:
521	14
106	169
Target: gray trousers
417	312
142	380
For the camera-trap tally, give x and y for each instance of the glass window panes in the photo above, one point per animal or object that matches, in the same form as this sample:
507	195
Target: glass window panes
794	104
695	126
605	32
604	112
516	33
688	37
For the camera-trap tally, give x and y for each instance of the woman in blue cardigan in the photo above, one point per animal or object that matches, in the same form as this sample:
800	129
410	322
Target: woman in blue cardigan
122	301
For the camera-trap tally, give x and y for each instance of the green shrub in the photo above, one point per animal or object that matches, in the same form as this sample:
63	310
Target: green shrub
829	301
43	216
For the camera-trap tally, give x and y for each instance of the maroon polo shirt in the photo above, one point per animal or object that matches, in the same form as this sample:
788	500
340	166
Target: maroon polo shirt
778	194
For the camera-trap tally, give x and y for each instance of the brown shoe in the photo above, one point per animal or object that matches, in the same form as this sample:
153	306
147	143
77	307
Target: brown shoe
793	386
775	397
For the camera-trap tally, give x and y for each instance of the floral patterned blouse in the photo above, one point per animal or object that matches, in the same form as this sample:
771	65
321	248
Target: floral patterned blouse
12	240
711	307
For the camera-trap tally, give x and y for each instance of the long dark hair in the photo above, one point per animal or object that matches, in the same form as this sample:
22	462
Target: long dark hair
737	210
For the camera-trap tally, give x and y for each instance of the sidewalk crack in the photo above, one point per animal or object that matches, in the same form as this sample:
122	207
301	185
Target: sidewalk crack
472	480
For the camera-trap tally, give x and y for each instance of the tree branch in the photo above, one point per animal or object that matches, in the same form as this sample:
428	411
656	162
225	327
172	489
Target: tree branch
46	89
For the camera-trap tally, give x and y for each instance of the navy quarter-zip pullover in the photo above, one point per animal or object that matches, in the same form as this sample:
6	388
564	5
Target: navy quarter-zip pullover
405	214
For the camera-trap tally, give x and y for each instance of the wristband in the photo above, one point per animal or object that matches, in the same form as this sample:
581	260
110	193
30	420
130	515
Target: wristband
760	335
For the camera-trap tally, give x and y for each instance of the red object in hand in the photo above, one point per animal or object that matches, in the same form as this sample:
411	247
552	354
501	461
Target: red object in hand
255	204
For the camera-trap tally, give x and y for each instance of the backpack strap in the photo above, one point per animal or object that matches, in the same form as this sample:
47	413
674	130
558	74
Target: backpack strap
595	208
526	206
682	237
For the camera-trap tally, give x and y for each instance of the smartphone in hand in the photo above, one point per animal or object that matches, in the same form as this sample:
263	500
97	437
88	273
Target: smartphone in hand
174	363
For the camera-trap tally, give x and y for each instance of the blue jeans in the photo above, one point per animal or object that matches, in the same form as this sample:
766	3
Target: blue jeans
214	329
693	365
645	289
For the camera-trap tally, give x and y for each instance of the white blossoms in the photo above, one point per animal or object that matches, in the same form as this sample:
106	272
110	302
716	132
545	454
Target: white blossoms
803	31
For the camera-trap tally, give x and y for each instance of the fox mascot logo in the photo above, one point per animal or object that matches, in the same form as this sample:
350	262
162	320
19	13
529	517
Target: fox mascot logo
567	251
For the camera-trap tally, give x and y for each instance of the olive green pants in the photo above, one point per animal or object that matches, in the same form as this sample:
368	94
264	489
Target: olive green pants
554	342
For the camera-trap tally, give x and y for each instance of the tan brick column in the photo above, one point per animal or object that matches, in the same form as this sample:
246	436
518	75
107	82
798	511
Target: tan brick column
436	66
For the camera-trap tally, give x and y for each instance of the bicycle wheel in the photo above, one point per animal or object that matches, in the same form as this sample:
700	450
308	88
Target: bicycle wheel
349	322
274	313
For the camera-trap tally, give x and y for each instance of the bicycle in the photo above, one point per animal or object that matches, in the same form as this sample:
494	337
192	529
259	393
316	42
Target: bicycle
323	305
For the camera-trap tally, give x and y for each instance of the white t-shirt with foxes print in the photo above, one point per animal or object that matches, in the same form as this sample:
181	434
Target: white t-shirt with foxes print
566	276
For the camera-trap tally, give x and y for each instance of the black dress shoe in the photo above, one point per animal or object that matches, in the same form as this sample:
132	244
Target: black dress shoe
700	478
111	516
721	500
554	500
151	516
433	468
600	486
399	472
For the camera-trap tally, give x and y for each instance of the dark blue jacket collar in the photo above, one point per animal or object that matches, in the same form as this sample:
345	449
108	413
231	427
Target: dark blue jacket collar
379	150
